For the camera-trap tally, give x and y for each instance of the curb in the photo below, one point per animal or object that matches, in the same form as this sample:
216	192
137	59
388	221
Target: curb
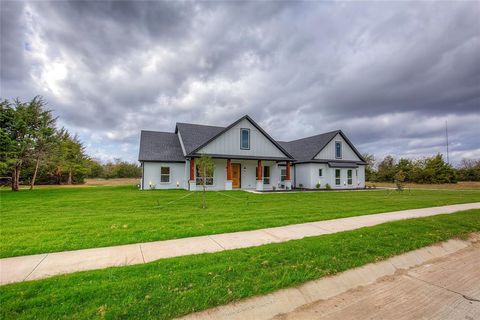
287	300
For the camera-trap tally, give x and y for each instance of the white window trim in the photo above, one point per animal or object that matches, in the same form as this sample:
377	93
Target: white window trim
269	175
162	174
341	151
339	178
207	185
241	139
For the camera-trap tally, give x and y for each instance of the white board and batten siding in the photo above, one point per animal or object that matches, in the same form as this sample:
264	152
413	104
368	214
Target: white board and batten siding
229	143
151	174
308	175
329	151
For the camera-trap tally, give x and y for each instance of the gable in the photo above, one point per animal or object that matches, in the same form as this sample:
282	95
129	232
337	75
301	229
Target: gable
228	143
328	152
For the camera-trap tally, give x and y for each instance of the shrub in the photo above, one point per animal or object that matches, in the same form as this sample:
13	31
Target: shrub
328	187
318	186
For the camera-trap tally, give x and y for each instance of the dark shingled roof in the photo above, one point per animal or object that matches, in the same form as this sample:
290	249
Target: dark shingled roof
160	146
307	148
194	135
165	146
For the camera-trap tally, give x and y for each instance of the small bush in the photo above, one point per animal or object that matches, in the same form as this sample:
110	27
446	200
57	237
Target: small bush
318	186
328	187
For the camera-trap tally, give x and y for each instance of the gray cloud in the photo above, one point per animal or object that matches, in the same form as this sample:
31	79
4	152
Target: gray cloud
388	74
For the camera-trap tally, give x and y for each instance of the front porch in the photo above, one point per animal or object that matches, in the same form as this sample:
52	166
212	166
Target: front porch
245	174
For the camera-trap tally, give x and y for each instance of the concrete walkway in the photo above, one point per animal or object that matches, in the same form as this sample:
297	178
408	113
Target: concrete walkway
435	282
40	266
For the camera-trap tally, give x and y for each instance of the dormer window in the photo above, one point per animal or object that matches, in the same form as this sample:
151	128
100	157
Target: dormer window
338	149
245	139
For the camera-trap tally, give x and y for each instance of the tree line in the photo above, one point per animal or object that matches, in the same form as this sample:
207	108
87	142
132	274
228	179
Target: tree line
34	151
425	170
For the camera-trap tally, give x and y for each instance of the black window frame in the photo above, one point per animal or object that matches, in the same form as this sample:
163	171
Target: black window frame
320	172
349	177
241	138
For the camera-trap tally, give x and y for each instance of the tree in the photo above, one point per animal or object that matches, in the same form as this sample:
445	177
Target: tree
438	171
68	158
386	169
17	136
406	166
469	170
370	174
43	134
95	168
205	166
399	180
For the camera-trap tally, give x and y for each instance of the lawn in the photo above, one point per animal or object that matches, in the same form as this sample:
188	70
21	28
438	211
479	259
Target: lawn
177	286
58	219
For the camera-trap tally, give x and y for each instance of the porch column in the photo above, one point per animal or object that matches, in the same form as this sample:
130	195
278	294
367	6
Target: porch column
288	180
192	185
228	182
259	176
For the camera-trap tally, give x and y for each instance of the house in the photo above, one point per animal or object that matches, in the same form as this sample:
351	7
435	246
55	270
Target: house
247	157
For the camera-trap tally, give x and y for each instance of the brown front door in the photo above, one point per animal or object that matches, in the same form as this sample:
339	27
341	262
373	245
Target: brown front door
236	170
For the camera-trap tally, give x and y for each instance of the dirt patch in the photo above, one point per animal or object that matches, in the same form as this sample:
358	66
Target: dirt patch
112	182
463	185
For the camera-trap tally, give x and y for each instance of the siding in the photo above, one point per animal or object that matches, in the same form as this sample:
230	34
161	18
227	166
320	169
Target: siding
307	175
229	143
329	151
151	171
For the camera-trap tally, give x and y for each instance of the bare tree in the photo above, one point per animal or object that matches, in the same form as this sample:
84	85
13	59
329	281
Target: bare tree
205	166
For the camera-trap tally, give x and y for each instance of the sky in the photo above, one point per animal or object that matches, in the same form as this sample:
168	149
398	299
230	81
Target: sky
388	74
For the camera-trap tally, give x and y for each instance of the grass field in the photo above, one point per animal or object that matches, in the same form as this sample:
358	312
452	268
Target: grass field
58	219
173	287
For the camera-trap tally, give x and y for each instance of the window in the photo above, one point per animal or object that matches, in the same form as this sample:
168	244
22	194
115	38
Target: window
208	178
266	175
245	139
337	177
165	174
349	177
320	172
338	149
283	174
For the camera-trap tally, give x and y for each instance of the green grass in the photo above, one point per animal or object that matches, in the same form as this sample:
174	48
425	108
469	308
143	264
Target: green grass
58	219
177	286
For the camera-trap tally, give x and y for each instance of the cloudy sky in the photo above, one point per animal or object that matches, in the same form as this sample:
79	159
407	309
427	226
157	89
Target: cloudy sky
388	74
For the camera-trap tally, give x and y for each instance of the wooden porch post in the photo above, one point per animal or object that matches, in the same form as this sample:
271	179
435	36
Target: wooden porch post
287	175
259	170
192	169
229	169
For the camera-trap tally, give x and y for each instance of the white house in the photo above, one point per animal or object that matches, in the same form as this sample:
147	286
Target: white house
246	157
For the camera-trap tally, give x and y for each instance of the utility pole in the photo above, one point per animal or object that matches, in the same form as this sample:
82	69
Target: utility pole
446	136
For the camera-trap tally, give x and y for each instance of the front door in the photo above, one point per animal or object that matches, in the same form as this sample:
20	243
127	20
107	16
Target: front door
236	175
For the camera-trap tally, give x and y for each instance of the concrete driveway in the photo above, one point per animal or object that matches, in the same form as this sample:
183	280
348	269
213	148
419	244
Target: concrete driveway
448	288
